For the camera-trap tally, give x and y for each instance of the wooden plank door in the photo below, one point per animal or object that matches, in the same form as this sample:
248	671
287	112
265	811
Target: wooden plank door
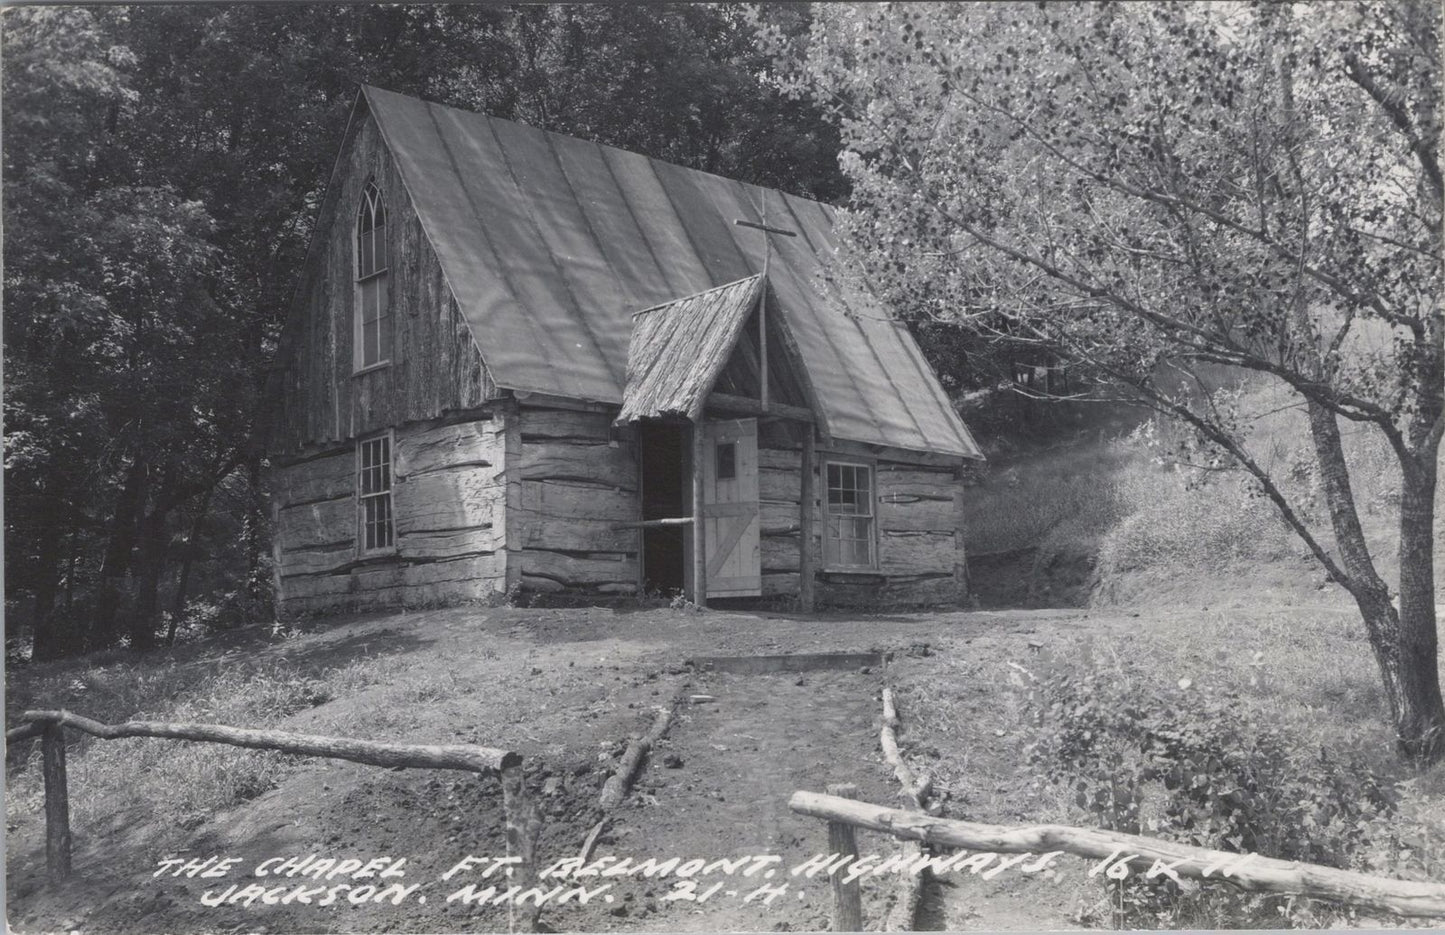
730	508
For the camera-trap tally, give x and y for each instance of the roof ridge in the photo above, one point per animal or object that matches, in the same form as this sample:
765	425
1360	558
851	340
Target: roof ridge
567	136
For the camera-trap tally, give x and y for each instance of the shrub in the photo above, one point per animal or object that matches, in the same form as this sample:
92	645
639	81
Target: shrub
1200	766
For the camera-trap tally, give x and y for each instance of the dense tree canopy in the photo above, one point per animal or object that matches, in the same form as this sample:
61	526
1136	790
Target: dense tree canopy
1151	189
163	165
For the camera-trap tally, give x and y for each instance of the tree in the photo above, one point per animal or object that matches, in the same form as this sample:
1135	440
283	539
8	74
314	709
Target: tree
163	168
1155	189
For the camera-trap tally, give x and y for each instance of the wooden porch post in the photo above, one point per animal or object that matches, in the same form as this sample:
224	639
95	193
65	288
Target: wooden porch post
699	522
805	524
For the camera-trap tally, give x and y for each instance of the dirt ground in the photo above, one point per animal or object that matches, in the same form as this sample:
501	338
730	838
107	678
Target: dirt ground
566	688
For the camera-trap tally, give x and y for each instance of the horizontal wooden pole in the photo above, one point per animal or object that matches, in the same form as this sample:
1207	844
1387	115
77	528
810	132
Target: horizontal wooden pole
655	523
1249	872
744	405
423	756
24	732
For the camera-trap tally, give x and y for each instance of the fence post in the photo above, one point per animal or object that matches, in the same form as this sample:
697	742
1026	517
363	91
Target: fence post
847	897
524	824
57	803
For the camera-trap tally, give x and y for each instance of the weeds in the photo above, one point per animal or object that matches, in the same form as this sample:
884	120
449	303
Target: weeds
1208	749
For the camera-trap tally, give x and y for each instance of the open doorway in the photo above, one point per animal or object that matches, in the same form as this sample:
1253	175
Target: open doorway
665	495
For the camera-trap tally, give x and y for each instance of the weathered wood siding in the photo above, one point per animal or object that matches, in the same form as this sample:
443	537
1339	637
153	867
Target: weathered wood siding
577	479
447	495
920	547
435	364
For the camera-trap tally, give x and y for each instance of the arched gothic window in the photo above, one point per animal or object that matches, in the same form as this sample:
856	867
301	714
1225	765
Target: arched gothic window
373	332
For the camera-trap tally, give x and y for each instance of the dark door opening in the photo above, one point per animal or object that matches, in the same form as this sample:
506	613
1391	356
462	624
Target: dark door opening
665	495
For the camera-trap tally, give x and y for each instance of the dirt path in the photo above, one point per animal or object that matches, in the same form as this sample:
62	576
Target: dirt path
566	688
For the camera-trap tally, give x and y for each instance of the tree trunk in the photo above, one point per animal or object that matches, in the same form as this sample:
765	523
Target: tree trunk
184	579
150	563
47	640
113	569
1421	720
1403	641
253	536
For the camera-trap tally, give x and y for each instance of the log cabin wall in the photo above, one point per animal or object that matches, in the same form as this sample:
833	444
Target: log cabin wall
448	500
918	509
435	364
578	478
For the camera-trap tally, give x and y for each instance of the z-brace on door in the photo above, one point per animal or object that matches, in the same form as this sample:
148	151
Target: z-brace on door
730	508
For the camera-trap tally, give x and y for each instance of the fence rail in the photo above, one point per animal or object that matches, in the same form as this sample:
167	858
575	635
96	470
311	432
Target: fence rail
1249	872
522	817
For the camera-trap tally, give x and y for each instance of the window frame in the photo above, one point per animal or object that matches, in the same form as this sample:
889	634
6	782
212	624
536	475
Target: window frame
372	202
872	501
389	437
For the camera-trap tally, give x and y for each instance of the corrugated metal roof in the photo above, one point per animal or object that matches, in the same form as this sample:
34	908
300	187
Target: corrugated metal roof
678	349
551	243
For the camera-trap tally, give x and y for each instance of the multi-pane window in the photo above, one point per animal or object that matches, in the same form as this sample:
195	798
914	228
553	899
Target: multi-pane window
373	337
373	492
848	538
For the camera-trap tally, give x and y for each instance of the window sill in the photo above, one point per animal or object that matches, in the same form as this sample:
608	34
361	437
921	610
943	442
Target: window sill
370	367
850	570
388	552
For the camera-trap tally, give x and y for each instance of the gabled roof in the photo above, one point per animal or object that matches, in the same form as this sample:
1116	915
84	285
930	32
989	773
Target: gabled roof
550	244
678	349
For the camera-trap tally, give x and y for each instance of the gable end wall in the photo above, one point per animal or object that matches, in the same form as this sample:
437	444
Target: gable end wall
436	367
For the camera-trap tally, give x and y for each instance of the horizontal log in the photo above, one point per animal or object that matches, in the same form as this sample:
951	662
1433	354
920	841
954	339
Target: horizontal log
917	552
318	479
590	463
562	570
448	500
565	424
1250	872
780	486
918	516
779	584
887	589
907	472
378	576
318	586
779	513
374	753
780	459
448	543
742	405
779	553
573	533
319	559
448	447
24	732
560	499
421	578
314	524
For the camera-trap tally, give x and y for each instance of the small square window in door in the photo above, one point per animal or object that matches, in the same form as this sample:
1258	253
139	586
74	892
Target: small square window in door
727	460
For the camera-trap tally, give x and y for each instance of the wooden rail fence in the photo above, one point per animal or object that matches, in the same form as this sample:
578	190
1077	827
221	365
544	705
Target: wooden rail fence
1248	872
523	819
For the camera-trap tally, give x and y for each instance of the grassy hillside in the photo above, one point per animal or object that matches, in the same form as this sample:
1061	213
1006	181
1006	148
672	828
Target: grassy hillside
1113	511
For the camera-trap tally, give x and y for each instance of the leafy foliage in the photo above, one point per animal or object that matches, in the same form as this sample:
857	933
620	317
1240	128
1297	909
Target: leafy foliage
163	167
1194	764
1156	192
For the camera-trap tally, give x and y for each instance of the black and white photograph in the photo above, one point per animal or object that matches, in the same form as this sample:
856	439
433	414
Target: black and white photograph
723	467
